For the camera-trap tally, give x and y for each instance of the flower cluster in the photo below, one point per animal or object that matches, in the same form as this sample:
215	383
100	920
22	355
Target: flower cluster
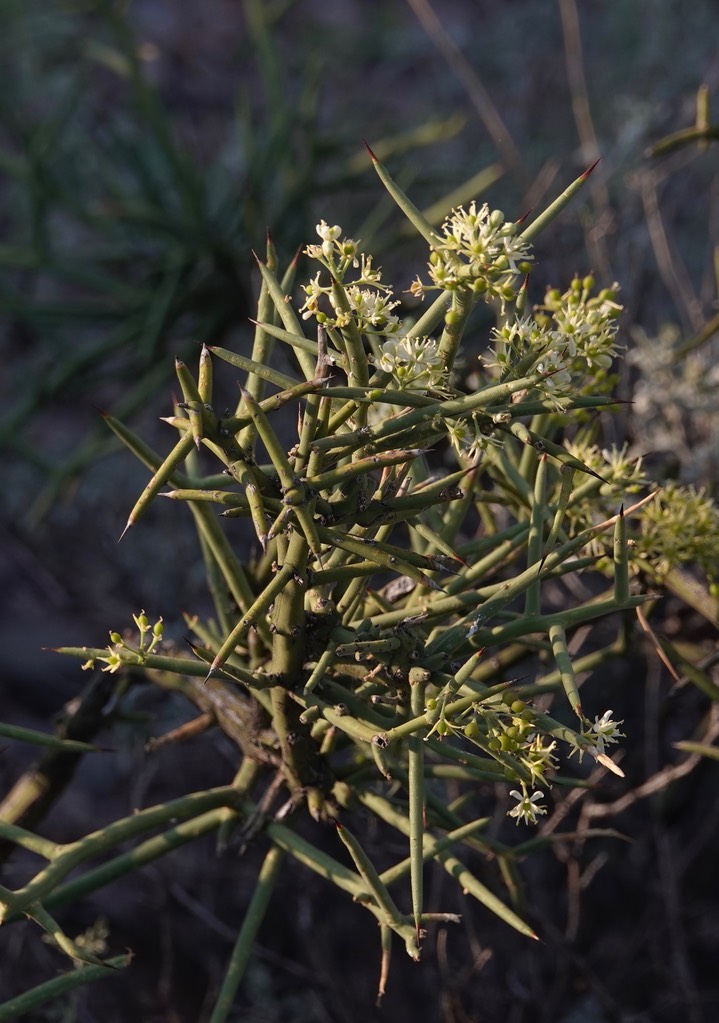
588	323
477	249
414	363
622	473
570	339
150	636
335	252
366	302
512	729
471	435
683	431
595	737
507	728
604	732
680	526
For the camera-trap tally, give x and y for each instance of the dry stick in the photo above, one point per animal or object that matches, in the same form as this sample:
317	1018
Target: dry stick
656	644
658	781
671	268
470	80
43	782
591	152
386	943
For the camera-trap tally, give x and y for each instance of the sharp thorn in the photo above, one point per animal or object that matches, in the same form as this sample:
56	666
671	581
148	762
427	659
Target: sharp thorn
369	150
589	170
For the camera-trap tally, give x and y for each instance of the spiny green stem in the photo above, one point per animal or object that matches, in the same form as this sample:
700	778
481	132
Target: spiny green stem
43	739
553	210
29	840
393	917
467	881
55	989
252	615
160	478
558	639
119	831
621	560
415	774
463	302
402	868
254	916
262	343
535	537
289	320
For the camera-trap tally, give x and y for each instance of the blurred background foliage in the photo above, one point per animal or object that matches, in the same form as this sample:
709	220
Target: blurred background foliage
146	151
146	148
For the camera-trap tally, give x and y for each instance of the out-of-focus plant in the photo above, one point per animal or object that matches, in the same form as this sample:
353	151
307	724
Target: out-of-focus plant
117	232
674	418
414	545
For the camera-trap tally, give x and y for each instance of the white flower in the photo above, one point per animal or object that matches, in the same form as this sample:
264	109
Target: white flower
112	661
527	808
537	757
327	233
373	309
330	236
555	365
337	253
414	362
589	323
604	732
469	436
479	249
314	291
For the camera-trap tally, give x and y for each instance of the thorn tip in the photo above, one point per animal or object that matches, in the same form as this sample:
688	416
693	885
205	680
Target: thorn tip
369	150
589	170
